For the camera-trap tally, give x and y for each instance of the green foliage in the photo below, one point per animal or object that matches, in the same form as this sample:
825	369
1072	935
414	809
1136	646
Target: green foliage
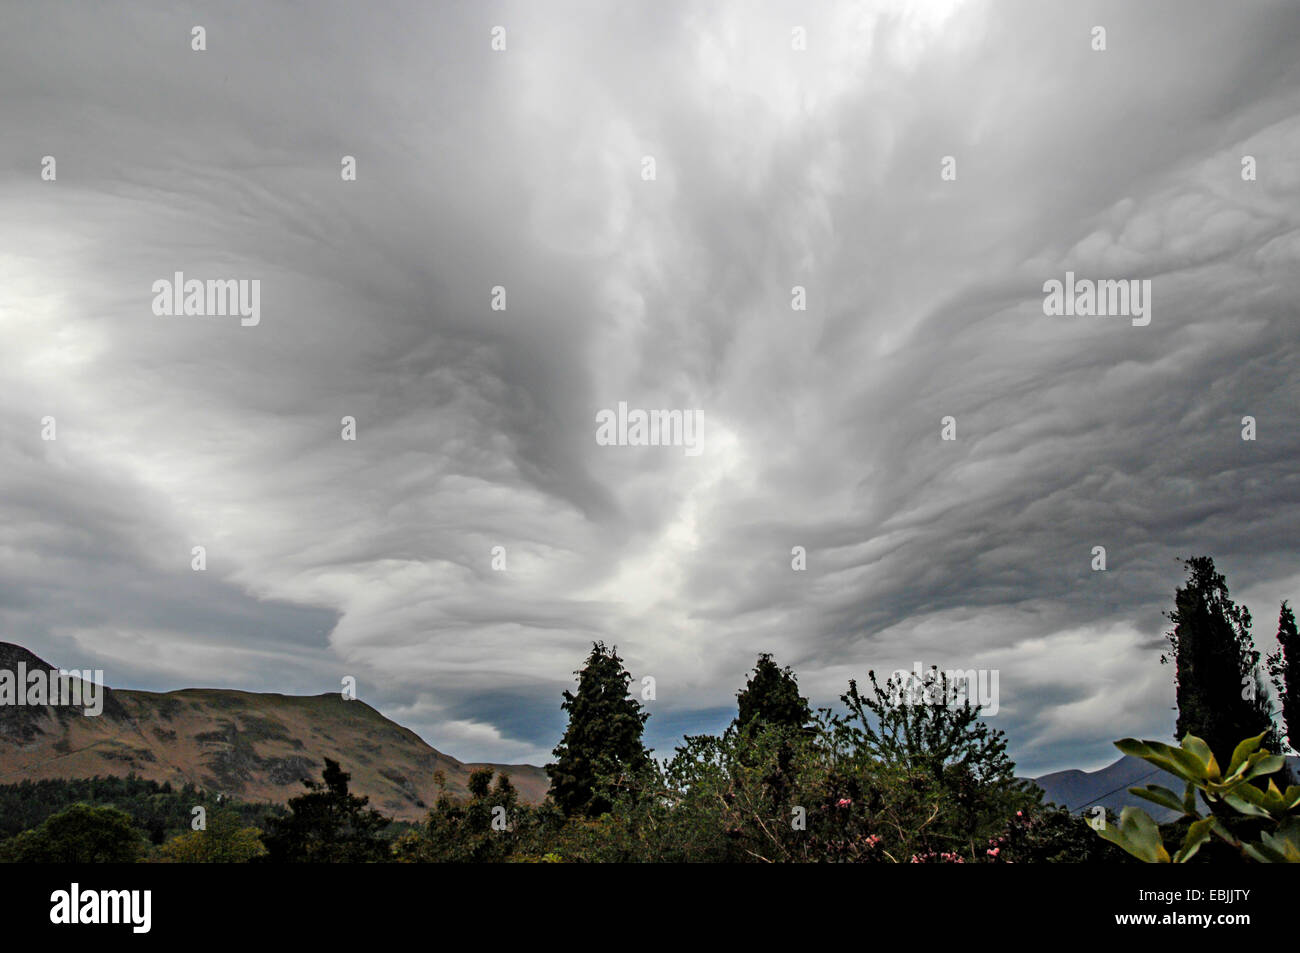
327	825
771	697
887	782
1047	834
484	828
224	841
932	737
82	834
943	780
602	742
1274	813
159	810
733	798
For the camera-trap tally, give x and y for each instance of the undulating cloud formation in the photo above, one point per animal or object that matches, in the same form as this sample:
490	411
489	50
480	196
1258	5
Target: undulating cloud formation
920	171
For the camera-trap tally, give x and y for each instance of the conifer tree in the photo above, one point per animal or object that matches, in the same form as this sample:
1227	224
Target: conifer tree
771	697
327	825
603	739
1220	695
770	700
1284	667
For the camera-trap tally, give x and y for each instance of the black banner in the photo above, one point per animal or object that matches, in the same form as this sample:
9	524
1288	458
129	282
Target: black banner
144	903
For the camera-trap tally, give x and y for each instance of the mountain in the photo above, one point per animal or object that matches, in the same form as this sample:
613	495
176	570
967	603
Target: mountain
248	745
1109	786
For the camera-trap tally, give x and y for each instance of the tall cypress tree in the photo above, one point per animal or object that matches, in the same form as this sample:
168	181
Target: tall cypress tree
1220	696
603	739
1284	667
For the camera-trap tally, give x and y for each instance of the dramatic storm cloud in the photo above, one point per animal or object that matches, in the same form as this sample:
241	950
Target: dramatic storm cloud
920	171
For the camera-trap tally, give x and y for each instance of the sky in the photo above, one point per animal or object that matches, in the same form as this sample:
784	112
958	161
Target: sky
919	170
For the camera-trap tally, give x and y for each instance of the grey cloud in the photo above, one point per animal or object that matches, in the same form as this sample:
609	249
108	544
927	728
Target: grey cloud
522	169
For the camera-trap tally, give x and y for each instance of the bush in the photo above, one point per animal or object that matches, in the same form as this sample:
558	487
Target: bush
1239	809
80	835
223	841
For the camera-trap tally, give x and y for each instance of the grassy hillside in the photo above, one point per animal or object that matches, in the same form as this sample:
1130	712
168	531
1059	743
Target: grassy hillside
256	747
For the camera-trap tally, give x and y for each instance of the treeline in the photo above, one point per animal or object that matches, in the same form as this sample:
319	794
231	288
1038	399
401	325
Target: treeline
887	782
159	811
886	778
146	814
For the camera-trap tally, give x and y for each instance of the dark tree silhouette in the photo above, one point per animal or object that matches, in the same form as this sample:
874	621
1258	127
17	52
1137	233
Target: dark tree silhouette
1284	667
771	697
1221	697
603	739
327	825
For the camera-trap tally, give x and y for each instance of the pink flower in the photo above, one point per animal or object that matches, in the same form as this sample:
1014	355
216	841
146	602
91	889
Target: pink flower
994	852
1020	813
845	802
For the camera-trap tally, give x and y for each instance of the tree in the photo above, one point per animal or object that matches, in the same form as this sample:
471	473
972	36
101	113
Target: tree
79	835
1220	695
1284	667
485	828
930	736
770	703
603	740
224	841
771	697
941	755
327	825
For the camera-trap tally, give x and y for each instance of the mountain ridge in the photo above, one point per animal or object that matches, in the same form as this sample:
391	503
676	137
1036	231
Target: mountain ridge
1108	786
255	746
